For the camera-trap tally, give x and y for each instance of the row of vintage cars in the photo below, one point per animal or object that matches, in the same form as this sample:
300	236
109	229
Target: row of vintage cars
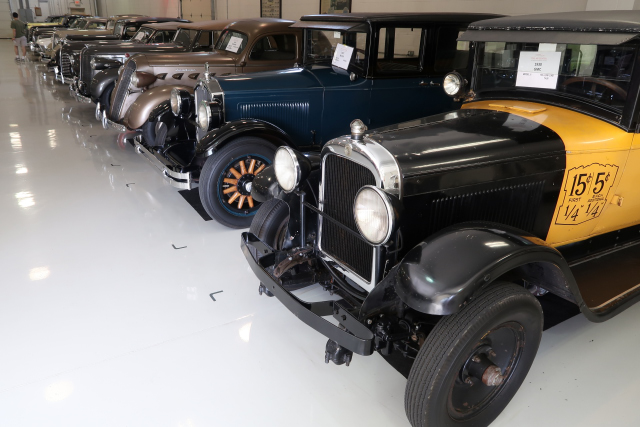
509	184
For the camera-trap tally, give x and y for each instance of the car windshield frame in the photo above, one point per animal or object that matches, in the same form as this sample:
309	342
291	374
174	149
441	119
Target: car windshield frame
309	59
593	59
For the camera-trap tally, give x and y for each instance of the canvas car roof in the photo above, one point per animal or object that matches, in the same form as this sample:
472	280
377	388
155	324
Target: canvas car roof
590	27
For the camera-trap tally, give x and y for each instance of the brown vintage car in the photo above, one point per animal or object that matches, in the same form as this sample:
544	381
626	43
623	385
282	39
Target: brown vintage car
245	46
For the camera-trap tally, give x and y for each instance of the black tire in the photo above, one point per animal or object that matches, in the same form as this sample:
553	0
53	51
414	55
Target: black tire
270	223
105	97
436	389
217	166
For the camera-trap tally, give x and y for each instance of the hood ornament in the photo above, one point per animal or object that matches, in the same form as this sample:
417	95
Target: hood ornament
358	128
207	74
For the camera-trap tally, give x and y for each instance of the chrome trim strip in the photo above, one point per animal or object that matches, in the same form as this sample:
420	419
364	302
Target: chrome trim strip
179	180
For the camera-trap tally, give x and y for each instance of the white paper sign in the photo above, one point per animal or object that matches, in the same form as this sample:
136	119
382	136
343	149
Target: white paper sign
342	56
538	69
234	44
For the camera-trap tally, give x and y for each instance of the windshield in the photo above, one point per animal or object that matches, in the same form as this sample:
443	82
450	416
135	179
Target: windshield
142	35
321	44
232	41
73	22
95	25
59	20
111	23
80	23
185	37
600	74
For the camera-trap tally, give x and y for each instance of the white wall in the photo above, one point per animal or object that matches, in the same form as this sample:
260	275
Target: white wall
294	9
143	7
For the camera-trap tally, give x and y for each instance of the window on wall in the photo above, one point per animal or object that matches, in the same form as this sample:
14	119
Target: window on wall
450	53
399	50
274	47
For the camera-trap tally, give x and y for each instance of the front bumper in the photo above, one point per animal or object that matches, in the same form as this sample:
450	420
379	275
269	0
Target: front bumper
181	180
357	337
106	123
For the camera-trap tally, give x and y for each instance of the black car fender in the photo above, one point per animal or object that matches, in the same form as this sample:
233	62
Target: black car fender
443	273
161	111
101	82
217	138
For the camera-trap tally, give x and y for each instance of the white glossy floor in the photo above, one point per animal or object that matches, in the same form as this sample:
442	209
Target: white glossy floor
104	323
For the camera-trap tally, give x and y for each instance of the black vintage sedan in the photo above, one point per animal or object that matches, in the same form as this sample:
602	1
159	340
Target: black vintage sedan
446	236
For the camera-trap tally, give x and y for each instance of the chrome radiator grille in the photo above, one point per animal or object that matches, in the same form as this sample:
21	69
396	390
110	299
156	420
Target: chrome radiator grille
65	64
85	73
342	178
122	90
201	94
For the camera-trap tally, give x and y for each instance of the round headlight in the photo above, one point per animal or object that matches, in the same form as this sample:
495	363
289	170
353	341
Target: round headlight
373	214
204	116
176	102
135	80
287	169
453	84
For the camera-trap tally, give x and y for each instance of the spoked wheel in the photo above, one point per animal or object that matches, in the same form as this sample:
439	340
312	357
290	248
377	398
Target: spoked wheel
226	179
473	362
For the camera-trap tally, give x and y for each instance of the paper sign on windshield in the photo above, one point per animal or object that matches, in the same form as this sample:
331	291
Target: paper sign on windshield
234	44
538	69
342	56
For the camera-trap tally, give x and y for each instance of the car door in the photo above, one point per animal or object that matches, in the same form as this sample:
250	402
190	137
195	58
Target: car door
272	52
345	98
408	66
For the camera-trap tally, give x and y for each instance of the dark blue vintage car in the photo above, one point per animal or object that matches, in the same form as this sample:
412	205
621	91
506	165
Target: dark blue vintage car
392	70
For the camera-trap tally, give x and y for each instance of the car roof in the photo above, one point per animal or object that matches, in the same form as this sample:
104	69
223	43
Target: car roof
392	17
96	19
164	25
619	21
611	27
153	19
260	25
207	25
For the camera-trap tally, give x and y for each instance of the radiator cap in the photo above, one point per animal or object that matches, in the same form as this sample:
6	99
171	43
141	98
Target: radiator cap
358	128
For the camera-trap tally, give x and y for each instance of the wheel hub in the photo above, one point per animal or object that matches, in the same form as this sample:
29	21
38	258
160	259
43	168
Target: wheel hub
238	181
480	367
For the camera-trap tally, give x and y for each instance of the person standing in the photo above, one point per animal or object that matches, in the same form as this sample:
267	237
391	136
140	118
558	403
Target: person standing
19	37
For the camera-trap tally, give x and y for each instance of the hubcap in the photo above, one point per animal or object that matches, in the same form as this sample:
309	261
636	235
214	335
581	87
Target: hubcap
236	182
486	371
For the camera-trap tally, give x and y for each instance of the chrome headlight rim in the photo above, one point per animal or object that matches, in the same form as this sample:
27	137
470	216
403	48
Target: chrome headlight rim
389	214
203	116
294	165
135	80
454	84
176	102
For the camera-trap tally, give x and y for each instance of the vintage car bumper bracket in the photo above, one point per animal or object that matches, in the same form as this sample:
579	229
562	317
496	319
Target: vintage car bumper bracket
181	180
116	126
356	337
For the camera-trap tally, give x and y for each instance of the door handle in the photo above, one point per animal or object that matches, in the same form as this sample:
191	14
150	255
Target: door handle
431	84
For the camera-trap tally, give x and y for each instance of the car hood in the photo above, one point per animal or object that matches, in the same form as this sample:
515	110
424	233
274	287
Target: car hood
65	33
131	48
290	78
464	138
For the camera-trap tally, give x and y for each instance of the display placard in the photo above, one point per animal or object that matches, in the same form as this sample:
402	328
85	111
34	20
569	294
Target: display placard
342	56
234	44
538	69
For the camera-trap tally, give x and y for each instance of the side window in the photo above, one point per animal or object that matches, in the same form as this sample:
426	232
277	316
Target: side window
204	42
274	47
399	50
163	37
450	53
130	31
